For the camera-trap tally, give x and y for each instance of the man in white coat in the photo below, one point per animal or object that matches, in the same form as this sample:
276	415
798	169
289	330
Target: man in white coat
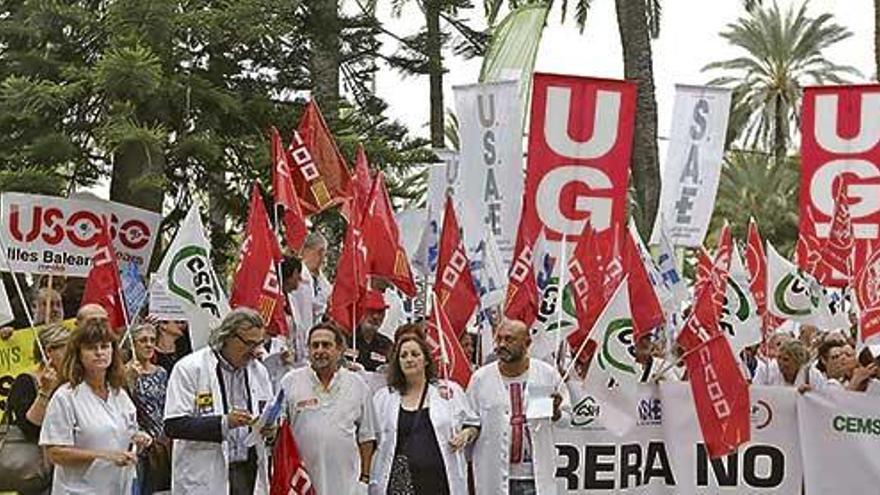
308	299
213	395
331	413
514	453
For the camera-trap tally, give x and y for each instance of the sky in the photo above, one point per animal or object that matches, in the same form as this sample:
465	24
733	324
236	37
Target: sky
688	41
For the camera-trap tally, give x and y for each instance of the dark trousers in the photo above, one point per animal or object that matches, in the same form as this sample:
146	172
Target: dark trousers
243	475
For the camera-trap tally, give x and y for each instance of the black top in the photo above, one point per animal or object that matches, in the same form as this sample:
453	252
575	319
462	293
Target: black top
21	398
167	360
415	435
373	354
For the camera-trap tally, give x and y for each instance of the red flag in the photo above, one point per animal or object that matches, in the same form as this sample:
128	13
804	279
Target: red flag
721	394
289	475
350	285
446	349
837	250
285	197
704	270
256	284
362	181
523	300
644	304
323	180
756	261
587	274
385	254
867	291
103	285
454	284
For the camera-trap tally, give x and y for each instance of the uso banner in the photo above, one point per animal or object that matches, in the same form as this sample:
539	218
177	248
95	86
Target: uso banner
44	234
840	147
580	142
840	434
664	453
491	163
693	163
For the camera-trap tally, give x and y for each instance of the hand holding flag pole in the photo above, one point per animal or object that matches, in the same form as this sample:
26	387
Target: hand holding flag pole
27	312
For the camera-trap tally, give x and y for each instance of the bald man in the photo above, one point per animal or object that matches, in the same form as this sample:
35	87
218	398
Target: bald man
91	311
500	392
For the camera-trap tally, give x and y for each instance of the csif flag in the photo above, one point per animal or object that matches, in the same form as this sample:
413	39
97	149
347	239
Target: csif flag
103	285
320	176
188	273
454	284
739	315
792	294
256	284
285	198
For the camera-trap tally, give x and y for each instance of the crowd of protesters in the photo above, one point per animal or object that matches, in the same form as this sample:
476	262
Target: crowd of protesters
142	412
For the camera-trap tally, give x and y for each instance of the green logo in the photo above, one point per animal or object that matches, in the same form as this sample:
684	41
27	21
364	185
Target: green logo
857	425
795	286
616	342
202	288
742	301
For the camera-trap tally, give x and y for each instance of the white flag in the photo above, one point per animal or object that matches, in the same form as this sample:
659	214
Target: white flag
189	276
5	307
793	294
489	273
739	316
613	377
693	163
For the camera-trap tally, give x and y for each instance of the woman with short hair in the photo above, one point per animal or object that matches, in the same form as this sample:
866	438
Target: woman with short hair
90	430
420	426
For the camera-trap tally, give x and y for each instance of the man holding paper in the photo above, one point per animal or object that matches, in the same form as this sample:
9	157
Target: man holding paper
517	400
214	395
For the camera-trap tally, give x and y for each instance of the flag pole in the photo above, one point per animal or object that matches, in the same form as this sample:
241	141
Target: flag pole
444	356
563	268
24	304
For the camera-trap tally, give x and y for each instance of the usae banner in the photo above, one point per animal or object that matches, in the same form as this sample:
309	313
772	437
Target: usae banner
44	234
693	163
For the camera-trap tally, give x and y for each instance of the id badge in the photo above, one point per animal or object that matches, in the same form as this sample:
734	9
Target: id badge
205	403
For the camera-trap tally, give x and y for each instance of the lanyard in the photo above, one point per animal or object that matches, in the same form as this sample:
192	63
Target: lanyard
223	395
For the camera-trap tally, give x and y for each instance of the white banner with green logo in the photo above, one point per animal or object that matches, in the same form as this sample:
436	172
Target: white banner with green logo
664	453
840	435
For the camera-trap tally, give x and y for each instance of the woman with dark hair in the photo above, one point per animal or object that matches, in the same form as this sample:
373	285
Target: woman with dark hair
90	425
419	426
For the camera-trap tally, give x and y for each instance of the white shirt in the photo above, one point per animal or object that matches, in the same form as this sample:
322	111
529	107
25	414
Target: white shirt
77	417
490	399
328	425
768	373
301	305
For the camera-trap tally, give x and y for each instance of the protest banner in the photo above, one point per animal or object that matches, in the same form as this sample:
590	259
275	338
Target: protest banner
45	234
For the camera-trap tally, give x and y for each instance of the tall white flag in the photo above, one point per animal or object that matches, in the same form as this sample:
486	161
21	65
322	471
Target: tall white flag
491	185
693	163
793	294
188	274
613	377
739	315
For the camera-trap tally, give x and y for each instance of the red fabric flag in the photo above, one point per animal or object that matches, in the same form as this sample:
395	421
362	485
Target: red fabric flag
289	475
587	274
756	261
704	270
320	177
867	292
350	285
362	181
256	284
103	285
454	285
644	304
452	363
285	198
523	300
721	393
385	254
837	250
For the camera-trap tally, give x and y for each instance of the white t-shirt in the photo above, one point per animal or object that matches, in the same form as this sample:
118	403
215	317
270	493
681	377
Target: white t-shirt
770	374
77	417
328	426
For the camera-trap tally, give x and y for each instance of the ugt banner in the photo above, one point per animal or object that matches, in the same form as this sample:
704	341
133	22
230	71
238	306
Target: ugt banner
491	159
580	142
840	438
693	163
840	147
45	234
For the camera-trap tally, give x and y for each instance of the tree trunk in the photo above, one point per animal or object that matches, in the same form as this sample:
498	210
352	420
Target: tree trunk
877	39
632	23
137	176
780	134
435	76
325	26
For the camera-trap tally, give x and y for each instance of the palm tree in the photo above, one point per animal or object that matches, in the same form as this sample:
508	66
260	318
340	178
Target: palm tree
783	54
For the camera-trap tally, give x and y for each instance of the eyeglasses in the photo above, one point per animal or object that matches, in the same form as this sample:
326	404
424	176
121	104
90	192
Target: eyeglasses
145	340
250	344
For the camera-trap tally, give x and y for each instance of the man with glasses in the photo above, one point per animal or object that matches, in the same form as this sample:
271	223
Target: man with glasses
214	394
331	413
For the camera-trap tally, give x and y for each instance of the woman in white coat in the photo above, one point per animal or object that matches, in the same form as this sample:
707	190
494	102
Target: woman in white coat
420	418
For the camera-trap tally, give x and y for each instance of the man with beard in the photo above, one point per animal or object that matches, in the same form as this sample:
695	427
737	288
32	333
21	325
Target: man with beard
330	411
515	454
